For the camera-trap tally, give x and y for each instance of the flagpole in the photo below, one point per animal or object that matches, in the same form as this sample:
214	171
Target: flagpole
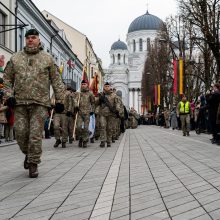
74	128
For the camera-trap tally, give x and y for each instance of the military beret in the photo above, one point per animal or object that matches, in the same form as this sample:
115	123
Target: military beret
32	32
84	81
107	84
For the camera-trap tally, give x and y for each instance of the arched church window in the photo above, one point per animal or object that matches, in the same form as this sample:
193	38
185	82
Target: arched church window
134	46
119	58
140	44
113	59
124	59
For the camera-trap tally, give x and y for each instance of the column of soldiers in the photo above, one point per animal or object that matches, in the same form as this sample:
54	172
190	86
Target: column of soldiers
27	77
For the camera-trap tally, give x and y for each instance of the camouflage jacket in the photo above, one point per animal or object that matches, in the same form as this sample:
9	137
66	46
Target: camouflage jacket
86	102
114	102
27	76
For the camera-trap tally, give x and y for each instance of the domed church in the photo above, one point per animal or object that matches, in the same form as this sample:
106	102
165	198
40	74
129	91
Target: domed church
127	60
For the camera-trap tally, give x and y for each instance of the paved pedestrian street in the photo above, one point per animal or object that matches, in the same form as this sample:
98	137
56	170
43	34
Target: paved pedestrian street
151	173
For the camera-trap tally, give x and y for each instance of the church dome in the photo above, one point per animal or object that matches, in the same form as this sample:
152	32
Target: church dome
119	45
145	22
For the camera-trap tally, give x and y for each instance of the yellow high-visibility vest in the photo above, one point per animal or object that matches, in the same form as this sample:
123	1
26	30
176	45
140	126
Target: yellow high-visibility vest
184	107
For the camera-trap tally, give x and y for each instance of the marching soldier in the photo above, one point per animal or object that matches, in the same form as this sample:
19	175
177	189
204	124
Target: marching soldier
109	109
27	76
133	118
61	120
86	108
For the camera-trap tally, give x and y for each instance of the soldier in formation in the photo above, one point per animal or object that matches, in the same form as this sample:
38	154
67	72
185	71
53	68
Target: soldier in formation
62	118
26	79
86	109
109	110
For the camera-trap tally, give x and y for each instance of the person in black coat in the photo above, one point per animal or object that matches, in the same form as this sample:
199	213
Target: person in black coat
212	103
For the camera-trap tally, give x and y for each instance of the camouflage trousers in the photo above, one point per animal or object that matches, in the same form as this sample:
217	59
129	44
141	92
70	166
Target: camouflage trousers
29	126
60	127
97	127
70	125
83	126
115	128
106	128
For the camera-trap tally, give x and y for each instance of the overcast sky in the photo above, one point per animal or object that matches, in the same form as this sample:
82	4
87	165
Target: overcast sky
104	21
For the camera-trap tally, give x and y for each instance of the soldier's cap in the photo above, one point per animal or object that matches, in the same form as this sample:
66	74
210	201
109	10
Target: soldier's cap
32	31
107	84
84	81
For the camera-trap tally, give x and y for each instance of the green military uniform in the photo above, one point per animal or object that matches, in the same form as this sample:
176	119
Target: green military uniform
107	116
61	121
133	118
27	76
86	106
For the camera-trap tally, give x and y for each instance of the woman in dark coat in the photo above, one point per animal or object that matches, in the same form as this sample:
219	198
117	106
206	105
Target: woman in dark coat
213	102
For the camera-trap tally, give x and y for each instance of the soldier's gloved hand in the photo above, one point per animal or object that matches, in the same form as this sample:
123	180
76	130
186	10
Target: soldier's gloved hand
11	102
59	107
76	109
91	113
69	114
102	99
117	114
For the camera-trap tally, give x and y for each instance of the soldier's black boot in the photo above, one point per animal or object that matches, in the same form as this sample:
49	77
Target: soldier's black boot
80	142
58	142
33	171
108	144
102	144
26	164
92	140
113	140
84	144
63	145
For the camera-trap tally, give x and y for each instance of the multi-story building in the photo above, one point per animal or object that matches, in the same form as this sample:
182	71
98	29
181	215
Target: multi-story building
7	29
82	47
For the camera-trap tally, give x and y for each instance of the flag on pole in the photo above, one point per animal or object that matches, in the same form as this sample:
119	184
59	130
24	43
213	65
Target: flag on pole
84	75
61	69
94	85
175	78
180	75
71	64
158	94
155	95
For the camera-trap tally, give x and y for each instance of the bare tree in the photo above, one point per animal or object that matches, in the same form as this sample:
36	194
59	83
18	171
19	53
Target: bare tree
204	16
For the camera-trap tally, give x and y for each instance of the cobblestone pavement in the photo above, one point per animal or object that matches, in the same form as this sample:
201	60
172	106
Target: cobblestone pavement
151	173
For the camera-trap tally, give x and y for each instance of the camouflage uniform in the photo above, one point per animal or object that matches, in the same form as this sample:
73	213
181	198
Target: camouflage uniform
133	118
70	119
86	106
61	120
107	117
117	120
29	73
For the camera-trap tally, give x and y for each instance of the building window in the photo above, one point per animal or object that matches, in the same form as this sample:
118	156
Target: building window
124	58
140	44
92	72
148	44
134	46
113	59
2	28
119	58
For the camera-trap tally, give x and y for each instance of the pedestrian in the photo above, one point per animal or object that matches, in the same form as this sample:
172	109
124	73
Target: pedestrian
213	106
173	119
184	112
27	77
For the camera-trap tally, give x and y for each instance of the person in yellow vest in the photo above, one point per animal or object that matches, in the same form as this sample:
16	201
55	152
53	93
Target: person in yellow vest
184	111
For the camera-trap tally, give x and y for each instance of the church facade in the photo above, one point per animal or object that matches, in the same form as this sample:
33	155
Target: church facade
128	59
